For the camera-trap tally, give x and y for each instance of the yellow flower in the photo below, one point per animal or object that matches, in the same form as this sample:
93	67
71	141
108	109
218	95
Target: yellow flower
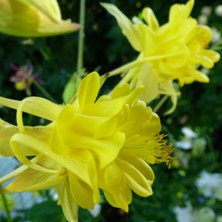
173	51
33	18
77	151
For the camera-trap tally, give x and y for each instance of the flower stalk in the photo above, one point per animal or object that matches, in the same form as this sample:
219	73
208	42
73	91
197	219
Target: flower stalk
43	91
7	210
139	62
81	38
160	103
71	87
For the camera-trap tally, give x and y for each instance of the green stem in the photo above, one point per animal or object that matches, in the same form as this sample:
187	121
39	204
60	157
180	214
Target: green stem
43	91
7	210
81	37
209	142
160	103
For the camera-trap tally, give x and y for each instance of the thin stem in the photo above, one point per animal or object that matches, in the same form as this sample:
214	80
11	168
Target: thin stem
43	91
160	103
7	210
81	37
70	89
138	62
209	143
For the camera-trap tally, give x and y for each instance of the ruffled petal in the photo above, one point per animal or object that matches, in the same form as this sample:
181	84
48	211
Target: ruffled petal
71	136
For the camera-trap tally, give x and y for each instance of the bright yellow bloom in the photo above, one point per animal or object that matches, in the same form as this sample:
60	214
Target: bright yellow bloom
33	18
85	144
173	51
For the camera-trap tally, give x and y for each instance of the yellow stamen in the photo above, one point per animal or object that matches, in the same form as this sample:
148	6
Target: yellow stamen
151	149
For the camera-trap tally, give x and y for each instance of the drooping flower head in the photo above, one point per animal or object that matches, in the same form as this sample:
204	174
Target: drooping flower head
33	18
93	143
173	51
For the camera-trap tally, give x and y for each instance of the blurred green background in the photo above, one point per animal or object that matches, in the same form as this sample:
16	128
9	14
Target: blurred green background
199	110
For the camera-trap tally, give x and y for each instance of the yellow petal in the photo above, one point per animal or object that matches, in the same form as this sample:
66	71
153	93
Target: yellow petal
180	12
200	76
113	176
105	107
119	198
88	90
210	57
167	88
121	90
49	8
83	194
31	180
149	78
138	182
8	130
128	29
33	18
69	206
152	126
34	105
137	119
80	163
150	18
180	59
85	132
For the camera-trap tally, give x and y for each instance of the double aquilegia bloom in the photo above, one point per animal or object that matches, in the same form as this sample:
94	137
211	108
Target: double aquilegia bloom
91	144
173	51
33	18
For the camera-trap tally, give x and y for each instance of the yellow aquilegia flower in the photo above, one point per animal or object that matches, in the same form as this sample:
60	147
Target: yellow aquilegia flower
79	150
173	51
33	18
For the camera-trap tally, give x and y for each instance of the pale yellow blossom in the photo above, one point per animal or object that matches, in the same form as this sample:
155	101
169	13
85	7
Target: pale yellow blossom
170	52
88	145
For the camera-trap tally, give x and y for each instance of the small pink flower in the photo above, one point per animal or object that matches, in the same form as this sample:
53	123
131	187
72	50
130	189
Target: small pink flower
24	77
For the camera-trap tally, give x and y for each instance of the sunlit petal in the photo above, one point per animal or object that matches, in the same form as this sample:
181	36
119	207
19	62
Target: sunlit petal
33	18
35	105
